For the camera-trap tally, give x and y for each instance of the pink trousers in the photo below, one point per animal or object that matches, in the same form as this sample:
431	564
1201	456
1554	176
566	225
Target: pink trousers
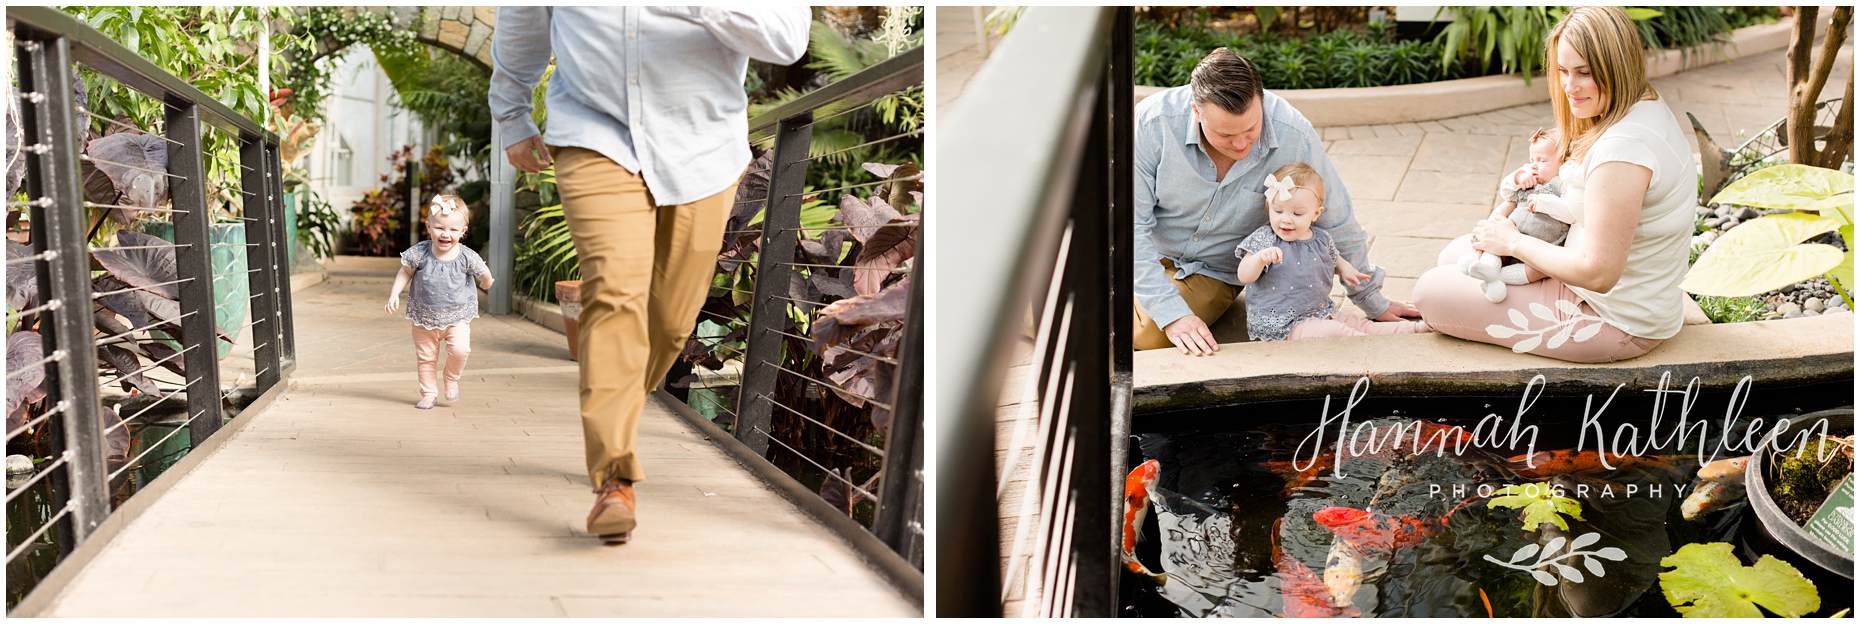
426	351
1340	325
1543	317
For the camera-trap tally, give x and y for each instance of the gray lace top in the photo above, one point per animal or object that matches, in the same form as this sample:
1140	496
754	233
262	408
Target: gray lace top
444	292
1295	289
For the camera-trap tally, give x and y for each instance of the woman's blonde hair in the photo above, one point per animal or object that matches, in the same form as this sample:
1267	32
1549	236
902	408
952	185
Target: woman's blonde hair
1607	39
1305	177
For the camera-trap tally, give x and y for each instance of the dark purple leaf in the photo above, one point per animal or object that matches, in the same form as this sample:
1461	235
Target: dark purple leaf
165	356
863	216
124	157
750	193
24	349
123	303
128	368
16	165
846	315
802	289
837	492
107	324
22	284
902	181
142	268
840	286
116	441
881	169
100	189
887	248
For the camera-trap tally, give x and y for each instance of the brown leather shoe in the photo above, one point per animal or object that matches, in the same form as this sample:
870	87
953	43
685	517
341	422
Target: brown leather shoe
612	518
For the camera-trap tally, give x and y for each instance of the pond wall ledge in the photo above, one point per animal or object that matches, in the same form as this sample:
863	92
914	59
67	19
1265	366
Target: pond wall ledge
1780	352
1430	101
540	312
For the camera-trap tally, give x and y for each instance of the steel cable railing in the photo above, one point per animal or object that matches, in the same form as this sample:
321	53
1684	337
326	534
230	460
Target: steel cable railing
786	406
151	331
1066	73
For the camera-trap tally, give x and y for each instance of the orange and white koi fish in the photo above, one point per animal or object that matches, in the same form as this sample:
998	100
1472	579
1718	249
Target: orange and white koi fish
1139	487
1303	593
1727	471
1371	532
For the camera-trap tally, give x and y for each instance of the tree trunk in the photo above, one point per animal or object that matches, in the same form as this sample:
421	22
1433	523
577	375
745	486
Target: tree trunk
1807	75
1841	136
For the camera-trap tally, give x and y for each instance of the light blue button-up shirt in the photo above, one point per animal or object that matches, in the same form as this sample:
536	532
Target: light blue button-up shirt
657	89
1185	215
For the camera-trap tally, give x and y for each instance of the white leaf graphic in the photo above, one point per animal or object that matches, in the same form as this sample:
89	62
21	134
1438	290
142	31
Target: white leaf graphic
1543	577
1571	573
1556	543
1542	312
1585	540
1611	553
1500	331
1567	307
1525	345
1595	567
1517	318
1588	332
1524	553
1560	337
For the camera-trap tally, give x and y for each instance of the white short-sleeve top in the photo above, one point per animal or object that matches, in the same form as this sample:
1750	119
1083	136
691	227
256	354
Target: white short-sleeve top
1646	302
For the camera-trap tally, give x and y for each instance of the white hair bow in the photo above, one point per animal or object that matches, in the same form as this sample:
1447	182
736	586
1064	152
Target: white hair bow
441	208
1279	189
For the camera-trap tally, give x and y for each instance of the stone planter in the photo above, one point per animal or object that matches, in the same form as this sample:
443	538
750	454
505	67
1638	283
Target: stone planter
1774	528
568	293
232	288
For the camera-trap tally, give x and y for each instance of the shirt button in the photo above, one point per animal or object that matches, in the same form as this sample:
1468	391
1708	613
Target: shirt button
635	81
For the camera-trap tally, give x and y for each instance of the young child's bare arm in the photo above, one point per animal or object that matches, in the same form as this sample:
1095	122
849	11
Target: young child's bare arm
1348	273
400	282
1255	263
485	280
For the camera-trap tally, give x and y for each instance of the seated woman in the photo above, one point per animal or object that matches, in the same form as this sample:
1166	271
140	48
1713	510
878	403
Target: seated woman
1612	290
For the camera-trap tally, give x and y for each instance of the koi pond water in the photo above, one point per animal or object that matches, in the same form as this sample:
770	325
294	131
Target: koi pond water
1459	507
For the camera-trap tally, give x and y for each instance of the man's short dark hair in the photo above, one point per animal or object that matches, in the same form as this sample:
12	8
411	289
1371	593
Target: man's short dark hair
1226	80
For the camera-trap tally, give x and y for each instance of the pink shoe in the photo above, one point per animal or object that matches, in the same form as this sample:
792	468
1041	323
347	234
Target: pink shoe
452	391
426	402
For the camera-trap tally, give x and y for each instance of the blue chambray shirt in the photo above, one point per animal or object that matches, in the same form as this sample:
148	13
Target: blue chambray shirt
659	90
1184	215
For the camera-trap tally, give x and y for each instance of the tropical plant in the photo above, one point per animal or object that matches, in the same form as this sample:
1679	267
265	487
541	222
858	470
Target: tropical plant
1166	56
1732	309
376	221
1516	33
1707	580
545	254
452	95
1685	28
1767	253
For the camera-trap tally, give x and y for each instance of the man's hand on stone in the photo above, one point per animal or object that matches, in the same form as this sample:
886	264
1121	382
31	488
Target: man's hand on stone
1398	310
529	155
1191	336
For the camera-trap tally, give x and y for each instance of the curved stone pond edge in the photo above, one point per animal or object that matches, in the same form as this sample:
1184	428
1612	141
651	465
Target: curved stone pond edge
1784	352
1430	101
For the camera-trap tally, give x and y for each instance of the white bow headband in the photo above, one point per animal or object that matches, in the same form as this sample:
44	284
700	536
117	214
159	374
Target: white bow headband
442	207
1280	189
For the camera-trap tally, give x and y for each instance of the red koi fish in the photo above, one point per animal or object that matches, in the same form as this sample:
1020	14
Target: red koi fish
1546	463
1371	532
1137	489
1302	591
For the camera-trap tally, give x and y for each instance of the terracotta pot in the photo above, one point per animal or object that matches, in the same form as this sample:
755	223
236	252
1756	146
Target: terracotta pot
568	293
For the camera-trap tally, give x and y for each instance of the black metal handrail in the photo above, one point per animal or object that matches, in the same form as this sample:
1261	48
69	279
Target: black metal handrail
1053	182
896	540
49	46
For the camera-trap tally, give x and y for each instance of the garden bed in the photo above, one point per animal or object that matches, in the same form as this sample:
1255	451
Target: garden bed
1469	96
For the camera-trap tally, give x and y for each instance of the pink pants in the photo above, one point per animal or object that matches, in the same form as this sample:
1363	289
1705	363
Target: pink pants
426	351
1544	317
1340	325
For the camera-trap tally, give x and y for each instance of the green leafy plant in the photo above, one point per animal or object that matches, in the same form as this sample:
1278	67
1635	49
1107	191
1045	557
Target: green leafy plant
317	223
1516	34
1166	56
1732	309
545	254
1685	28
1707	580
1767	253
1539	503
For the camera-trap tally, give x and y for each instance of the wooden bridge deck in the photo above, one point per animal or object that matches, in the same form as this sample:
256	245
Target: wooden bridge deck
341	499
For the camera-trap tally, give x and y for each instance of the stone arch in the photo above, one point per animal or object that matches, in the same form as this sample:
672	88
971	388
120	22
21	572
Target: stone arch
462	30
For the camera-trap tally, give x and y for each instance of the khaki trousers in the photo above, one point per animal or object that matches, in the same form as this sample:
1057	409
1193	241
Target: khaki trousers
645	270
1209	298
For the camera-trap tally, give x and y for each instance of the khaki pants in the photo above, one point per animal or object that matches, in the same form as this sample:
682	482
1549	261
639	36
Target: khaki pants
645	270
1209	298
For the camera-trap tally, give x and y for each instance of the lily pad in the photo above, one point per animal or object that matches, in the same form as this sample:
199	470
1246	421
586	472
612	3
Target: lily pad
1540	503
1763	255
1716	584
1794	187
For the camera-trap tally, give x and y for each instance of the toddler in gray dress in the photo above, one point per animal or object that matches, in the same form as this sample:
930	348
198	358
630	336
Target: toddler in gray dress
1286	266
442	270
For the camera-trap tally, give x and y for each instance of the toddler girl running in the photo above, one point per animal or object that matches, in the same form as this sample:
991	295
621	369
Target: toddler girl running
442	303
1287	265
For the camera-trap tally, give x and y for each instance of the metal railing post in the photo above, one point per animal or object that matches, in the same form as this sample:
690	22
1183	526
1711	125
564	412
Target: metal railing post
261	254
769	313
285	328
900	506
60	225
193	224
1119	104
500	250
